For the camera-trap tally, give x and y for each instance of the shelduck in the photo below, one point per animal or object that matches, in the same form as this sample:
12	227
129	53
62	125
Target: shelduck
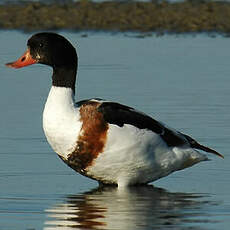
103	140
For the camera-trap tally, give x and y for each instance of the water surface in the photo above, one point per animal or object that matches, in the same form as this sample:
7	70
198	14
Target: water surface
180	80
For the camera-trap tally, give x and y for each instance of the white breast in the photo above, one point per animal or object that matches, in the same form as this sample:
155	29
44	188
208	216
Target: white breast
61	120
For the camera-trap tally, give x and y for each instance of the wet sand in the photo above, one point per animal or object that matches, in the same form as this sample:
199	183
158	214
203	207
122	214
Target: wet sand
159	17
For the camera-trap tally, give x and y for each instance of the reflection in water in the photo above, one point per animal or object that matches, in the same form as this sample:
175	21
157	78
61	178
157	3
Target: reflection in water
144	208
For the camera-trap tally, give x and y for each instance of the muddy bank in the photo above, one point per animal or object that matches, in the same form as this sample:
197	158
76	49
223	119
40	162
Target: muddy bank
160	17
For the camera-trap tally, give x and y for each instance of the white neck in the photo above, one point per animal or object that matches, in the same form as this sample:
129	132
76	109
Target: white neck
60	96
61	120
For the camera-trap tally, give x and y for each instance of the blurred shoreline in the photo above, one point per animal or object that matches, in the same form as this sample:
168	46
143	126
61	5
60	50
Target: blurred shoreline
156	16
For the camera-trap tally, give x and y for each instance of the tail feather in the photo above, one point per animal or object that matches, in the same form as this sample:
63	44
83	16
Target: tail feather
196	145
207	149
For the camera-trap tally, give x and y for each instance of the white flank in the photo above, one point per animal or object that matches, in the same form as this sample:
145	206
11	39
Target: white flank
133	155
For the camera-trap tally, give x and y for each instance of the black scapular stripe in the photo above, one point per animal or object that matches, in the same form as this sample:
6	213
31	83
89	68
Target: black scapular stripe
118	114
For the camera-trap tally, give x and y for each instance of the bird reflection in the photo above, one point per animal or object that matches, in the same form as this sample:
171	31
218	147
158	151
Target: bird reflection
144	207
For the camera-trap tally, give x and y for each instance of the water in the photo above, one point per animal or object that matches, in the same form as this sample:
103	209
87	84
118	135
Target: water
182	81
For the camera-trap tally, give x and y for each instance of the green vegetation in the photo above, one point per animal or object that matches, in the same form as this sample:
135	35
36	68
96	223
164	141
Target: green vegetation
160	17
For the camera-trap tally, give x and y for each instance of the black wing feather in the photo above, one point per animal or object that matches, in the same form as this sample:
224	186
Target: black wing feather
85	101
118	114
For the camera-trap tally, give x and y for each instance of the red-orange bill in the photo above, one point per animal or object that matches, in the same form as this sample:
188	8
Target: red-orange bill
24	60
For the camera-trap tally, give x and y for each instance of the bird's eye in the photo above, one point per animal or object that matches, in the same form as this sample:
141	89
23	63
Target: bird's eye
40	45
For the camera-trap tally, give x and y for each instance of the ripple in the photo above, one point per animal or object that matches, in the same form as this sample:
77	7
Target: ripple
144	208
